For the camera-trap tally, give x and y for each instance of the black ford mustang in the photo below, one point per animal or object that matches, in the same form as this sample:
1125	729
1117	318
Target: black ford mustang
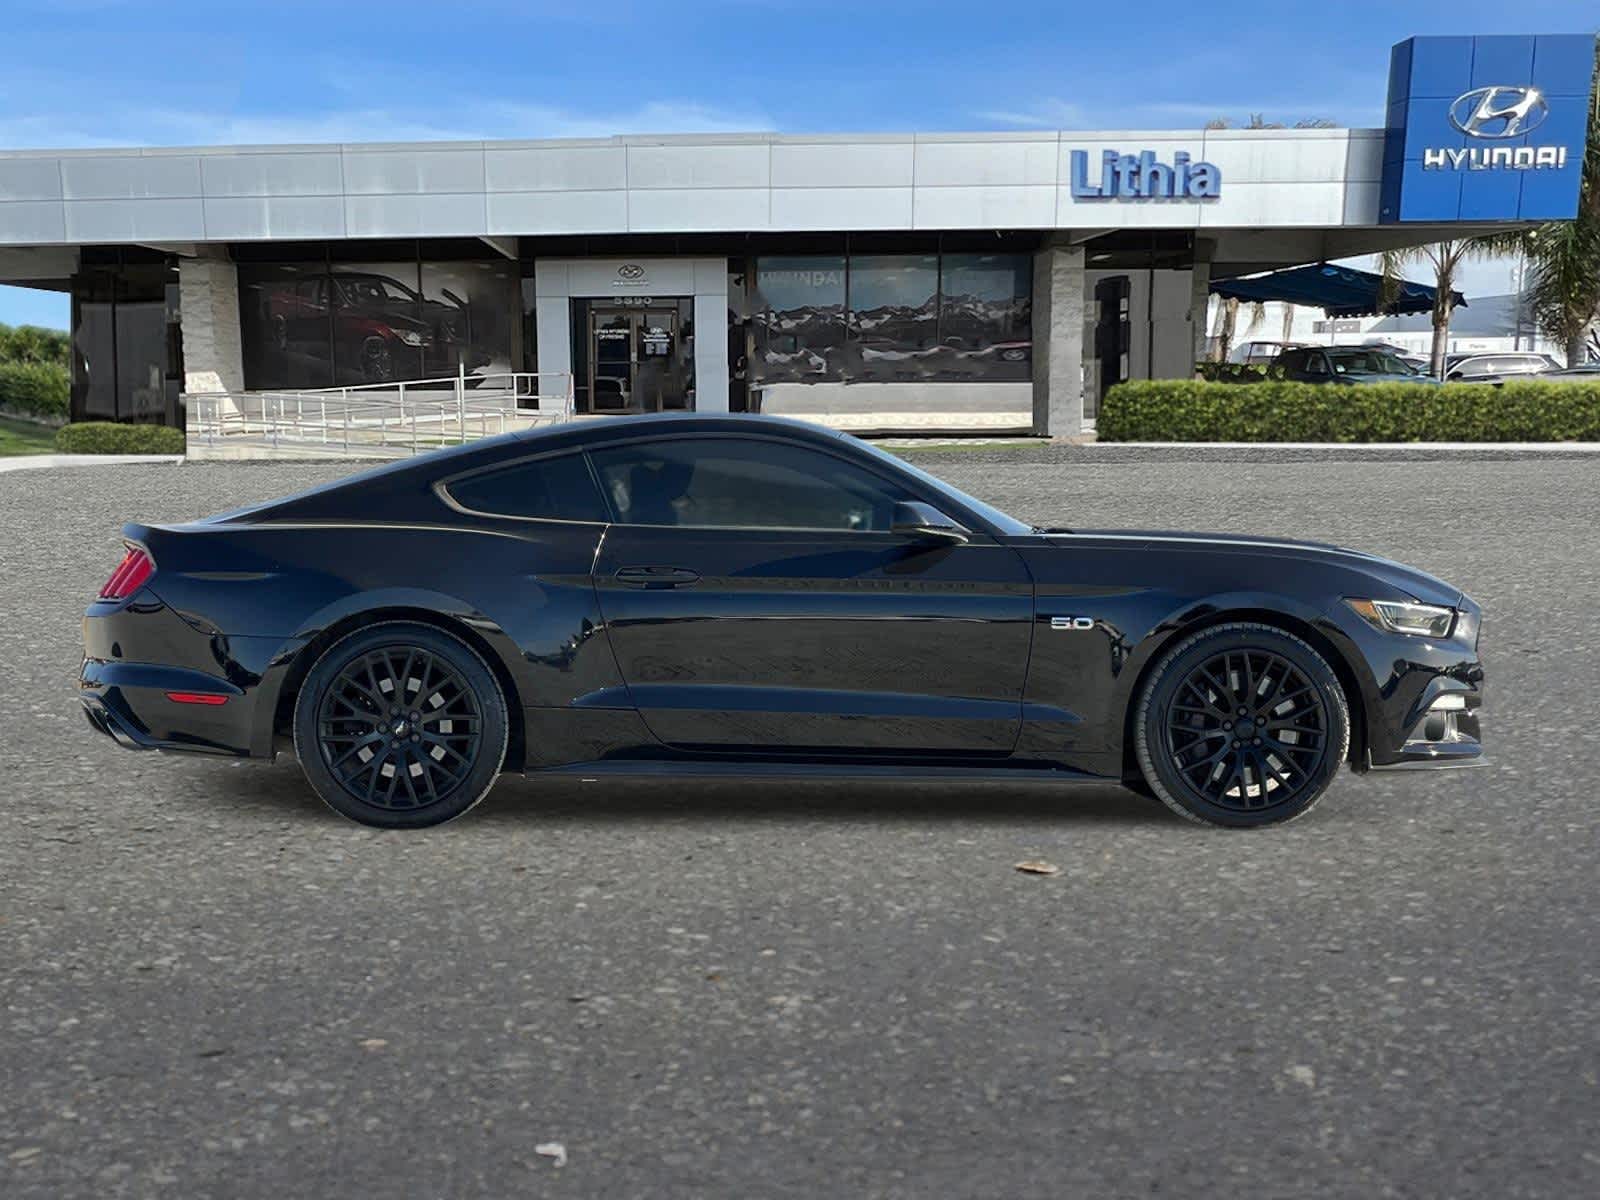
703	595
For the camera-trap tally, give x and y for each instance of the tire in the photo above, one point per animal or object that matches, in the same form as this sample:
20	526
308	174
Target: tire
443	748
1187	724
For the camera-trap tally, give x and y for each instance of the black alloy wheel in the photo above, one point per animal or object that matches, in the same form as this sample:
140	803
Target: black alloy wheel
1241	725
400	726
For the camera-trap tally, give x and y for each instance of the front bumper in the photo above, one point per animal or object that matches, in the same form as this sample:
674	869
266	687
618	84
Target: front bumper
1423	697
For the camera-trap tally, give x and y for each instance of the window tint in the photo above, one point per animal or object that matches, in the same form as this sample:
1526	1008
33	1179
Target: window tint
1516	364
558	488
742	483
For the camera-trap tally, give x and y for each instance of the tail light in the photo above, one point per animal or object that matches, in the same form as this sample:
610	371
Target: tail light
135	568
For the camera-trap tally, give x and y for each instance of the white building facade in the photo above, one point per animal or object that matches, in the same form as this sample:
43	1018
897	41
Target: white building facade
962	281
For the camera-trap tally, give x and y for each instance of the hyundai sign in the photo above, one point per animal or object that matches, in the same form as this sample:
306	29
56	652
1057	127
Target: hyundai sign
1486	128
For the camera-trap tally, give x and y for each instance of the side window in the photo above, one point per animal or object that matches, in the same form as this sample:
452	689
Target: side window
1316	364
559	488
744	483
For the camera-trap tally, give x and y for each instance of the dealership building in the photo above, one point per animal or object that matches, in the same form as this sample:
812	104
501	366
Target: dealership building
994	281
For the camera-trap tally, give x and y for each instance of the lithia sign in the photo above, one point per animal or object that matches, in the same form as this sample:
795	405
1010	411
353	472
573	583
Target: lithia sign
1143	177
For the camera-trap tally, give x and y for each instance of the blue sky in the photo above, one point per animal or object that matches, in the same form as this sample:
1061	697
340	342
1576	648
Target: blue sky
148	72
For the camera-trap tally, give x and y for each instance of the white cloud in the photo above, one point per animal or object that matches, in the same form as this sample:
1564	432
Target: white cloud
1045	113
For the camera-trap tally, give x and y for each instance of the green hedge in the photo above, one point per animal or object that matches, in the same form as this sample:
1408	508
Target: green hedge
34	390
108	437
1186	410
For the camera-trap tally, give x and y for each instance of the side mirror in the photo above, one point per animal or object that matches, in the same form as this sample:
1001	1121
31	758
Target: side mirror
925	523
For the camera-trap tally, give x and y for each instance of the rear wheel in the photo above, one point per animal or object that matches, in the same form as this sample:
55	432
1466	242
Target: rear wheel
1241	725
401	726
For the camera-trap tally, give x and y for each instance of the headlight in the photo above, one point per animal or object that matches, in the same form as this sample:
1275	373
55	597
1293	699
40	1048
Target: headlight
1402	616
410	337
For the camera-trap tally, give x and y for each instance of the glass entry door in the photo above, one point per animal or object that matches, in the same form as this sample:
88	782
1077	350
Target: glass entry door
637	362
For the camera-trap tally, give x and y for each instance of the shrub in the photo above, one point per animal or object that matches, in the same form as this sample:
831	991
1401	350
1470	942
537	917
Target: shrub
108	437
1186	410
34	390
32	344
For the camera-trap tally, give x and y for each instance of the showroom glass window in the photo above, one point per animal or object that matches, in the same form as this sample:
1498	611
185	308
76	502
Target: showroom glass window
392	317
985	316
742	483
799	318
893	317
127	360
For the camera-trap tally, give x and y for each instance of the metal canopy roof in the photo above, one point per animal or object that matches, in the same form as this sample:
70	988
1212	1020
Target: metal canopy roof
1338	291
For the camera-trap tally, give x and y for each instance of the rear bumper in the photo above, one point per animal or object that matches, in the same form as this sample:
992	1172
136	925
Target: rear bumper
129	703
139	652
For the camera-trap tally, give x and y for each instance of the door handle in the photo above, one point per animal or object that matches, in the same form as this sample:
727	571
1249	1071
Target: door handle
657	577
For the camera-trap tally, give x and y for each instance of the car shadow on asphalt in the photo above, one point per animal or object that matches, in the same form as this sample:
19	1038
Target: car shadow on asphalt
280	790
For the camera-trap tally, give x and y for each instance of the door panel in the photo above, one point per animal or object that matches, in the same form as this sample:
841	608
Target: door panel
851	642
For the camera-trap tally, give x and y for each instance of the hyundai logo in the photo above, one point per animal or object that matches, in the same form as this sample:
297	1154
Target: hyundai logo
1499	112
630	271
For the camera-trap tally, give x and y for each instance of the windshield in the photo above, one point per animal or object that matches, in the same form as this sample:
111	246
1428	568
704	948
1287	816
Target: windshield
1004	522
1368	362
374	290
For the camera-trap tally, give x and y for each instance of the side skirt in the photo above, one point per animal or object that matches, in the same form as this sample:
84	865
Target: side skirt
864	772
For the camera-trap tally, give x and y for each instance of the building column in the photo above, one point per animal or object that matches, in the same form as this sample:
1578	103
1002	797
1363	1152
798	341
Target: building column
208	299
1058	306
711	335
1200	295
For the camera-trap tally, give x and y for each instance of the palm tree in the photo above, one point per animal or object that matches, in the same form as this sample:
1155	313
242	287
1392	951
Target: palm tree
1445	258
1564	256
1227	321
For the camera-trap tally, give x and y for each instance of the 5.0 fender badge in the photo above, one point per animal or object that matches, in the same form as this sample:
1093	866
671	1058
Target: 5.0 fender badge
1075	623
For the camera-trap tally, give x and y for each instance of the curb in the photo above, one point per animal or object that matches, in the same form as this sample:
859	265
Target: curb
25	462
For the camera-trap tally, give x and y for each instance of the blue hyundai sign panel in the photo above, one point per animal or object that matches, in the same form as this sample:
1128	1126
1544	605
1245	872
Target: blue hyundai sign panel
1486	128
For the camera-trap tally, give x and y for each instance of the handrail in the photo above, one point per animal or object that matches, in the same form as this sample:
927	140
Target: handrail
380	418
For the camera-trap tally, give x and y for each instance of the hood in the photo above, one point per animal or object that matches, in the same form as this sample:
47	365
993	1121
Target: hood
1384	377
1409	581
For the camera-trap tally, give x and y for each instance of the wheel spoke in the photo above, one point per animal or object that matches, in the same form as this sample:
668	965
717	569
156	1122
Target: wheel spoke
425	764
1259	770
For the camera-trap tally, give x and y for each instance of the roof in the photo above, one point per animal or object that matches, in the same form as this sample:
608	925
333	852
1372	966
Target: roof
1338	291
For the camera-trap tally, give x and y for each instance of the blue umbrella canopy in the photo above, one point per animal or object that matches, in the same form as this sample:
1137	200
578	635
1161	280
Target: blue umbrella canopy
1338	291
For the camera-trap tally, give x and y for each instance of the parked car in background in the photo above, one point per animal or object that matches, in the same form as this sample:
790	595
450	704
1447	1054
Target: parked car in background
1259	353
1344	364
1494	367
1585	373
1417	362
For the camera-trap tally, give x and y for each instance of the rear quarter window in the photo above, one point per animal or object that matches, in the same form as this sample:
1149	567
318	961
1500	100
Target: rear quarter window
559	488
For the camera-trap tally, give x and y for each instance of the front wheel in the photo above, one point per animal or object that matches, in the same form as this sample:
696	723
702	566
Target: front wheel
401	726
1241	725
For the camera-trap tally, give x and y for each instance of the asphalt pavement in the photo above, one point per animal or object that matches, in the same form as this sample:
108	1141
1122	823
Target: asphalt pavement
210	985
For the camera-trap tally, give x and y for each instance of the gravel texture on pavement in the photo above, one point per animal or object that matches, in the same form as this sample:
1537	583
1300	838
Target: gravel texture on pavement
212	986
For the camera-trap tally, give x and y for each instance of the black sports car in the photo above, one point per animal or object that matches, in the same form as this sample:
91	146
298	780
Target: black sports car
701	595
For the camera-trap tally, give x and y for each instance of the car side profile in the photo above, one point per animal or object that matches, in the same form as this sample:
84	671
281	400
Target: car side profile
1345	364
1496	367
691	595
